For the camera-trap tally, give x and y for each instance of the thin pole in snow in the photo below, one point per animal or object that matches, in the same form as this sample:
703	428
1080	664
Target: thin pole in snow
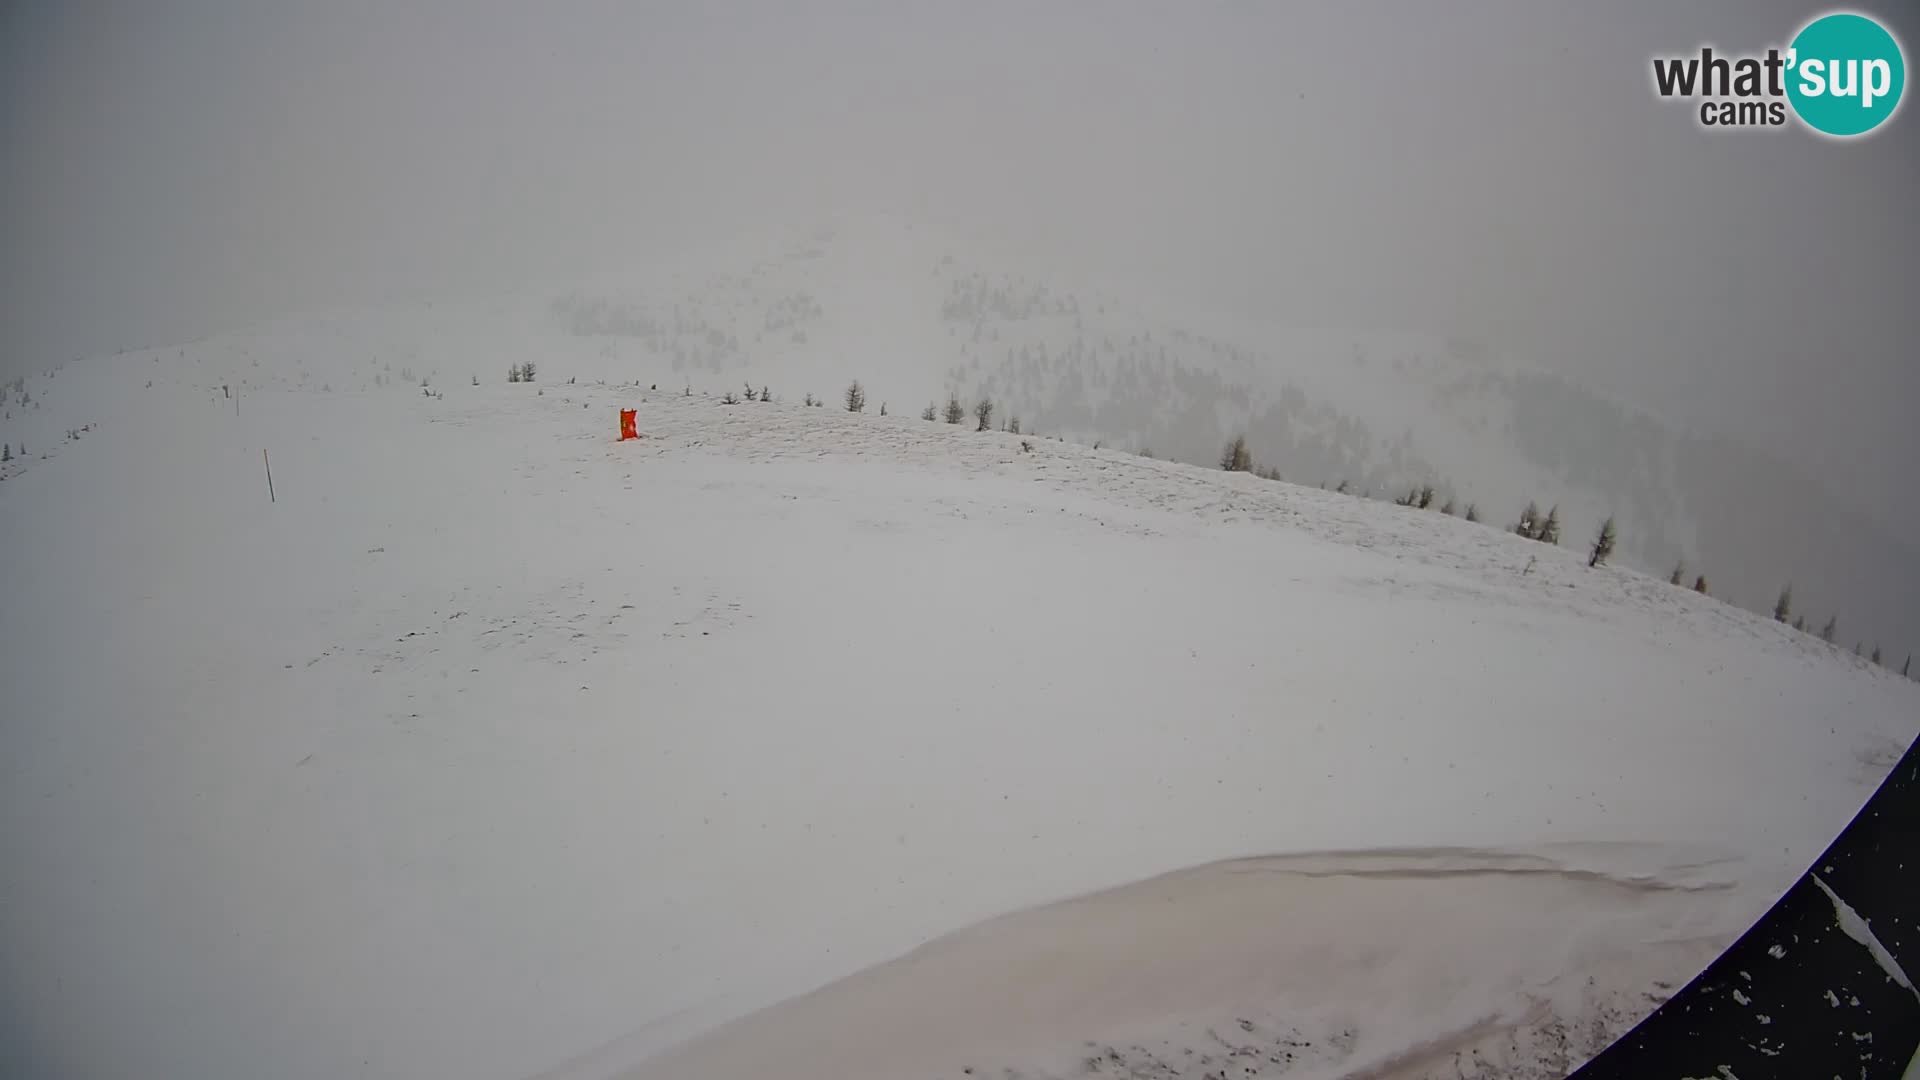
269	465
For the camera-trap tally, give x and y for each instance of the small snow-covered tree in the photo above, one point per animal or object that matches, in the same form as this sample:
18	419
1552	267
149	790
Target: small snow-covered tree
1679	574
1827	631
1426	497
6	451
1700	584
1340	488
956	412
1013	424
1783	607
929	413
883	408
752	394
1876	652
1447	508
1800	623
1236	457
855	397
1473	512
766	394
809	400
1550	528
513	375
1529	523
984	413
1602	544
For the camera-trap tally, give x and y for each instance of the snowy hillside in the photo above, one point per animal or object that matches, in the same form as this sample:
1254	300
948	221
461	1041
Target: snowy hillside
495	748
917	313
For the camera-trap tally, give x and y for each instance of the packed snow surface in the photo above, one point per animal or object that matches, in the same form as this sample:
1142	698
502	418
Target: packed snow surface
496	748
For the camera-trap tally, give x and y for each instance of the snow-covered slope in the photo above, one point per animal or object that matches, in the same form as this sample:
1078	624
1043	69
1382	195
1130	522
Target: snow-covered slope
494	747
917	312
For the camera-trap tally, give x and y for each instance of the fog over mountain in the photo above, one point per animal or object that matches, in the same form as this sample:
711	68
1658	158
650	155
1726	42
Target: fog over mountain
1709	335
598	540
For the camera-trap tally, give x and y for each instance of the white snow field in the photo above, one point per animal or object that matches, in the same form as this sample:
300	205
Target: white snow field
495	748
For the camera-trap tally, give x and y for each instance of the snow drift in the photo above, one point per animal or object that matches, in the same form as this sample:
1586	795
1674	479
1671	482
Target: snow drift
1434	963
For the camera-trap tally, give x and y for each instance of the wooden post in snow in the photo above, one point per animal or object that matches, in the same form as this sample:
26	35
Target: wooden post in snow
269	465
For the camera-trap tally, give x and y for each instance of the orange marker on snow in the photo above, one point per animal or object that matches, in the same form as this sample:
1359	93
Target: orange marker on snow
629	420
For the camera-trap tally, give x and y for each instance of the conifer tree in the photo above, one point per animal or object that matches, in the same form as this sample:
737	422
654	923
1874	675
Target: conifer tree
1783	607
1602	544
1550	528
1236	457
1529	523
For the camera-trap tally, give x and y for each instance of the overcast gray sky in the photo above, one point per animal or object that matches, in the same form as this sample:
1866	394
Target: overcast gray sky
1495	170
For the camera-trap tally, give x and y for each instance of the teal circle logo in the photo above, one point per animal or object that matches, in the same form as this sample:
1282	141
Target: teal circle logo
1845	74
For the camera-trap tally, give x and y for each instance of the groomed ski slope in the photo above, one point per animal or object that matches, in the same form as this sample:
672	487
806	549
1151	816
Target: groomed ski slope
497	749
